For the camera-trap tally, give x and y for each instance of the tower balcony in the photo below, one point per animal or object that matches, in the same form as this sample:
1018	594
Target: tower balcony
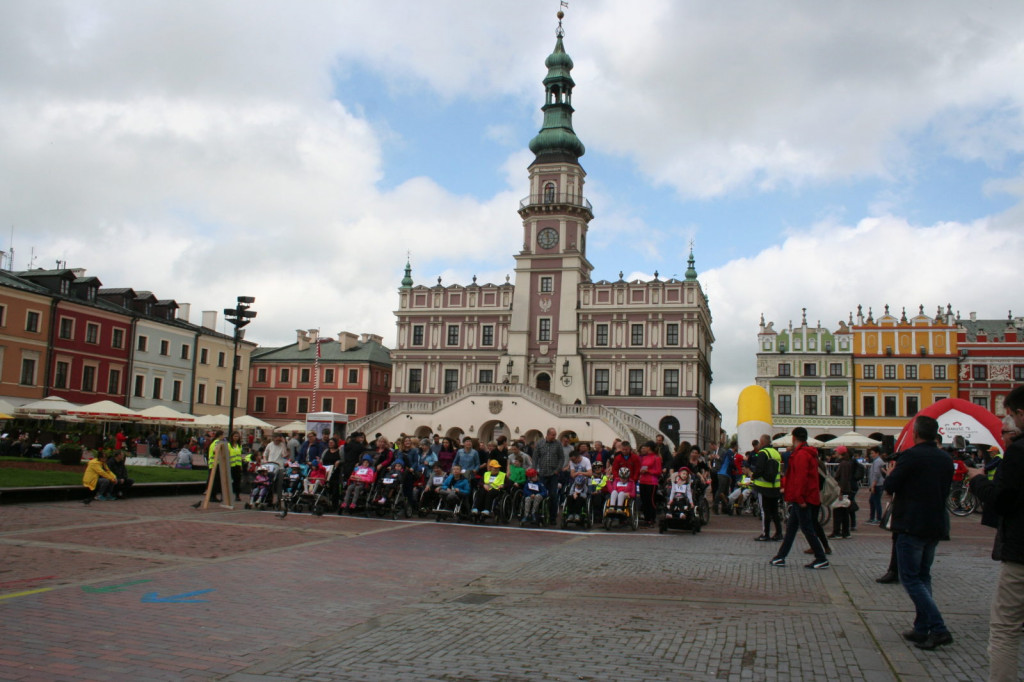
555	203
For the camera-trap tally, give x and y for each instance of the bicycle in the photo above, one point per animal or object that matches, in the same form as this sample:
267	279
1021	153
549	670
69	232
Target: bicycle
961	501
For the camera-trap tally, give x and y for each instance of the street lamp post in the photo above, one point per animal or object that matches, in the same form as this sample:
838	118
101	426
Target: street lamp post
238	316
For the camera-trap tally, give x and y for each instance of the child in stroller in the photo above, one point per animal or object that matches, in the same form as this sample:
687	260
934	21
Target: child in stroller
681	512
361	479
260	494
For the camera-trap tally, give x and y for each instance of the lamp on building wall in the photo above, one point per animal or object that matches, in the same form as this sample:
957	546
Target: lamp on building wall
509	367
239	316
566	379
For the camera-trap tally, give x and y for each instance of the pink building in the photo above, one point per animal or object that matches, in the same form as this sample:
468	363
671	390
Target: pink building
991	360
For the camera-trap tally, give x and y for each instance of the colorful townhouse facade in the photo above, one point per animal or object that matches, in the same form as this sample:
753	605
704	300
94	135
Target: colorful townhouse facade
348	375
991	359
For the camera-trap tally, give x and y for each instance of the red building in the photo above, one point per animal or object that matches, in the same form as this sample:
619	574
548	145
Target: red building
351	376
90	340
991	360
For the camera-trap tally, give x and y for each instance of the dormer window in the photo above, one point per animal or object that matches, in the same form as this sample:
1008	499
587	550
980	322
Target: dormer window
65	286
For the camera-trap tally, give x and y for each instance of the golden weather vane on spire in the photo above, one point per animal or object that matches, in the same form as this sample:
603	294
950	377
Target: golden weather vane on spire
562	5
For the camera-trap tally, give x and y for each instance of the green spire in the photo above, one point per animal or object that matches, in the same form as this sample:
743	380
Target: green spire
407	280
691	272
556	140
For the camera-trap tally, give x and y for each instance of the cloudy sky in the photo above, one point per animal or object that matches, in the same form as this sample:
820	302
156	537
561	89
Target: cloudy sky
819	155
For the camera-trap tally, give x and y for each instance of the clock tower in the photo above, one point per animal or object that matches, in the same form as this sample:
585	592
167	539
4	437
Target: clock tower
543	345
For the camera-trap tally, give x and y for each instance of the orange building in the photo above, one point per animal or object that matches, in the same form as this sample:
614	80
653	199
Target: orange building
901	366
25	315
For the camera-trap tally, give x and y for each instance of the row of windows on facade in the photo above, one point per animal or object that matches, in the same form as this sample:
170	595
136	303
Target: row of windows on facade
66	331
868	406
835	369
636	334
306	374
602	381
812	344
302	405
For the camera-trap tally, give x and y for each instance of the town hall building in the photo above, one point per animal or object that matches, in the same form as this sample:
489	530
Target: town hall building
555	348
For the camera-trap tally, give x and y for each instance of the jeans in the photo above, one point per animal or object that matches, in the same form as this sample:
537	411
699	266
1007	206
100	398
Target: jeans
551	483
915	556
875	504
800	518
1004	623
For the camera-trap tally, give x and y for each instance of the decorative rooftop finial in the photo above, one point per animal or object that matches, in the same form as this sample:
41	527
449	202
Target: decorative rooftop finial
903	315
474	279
620	275
655	275
886	308
762	319
920	309
560	32
507	279
439	280
803	317
691	271
407	280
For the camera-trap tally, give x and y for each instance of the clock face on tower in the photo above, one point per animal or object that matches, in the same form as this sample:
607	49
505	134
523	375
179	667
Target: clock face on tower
547	238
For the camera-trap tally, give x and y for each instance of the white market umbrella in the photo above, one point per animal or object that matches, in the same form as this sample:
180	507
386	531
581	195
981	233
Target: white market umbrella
104	410
211	420
291	426
47	406
250	422
161	414
787	442
852	439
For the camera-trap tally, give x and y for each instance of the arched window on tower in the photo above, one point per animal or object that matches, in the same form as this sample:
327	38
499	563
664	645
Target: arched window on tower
549	193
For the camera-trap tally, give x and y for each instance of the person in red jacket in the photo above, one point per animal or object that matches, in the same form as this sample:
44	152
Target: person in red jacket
800	490
650	473
629	459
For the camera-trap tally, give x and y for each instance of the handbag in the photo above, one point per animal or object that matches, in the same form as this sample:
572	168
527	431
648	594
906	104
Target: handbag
886	523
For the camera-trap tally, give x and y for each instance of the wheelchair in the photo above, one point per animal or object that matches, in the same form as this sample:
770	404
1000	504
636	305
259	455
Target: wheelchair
629	516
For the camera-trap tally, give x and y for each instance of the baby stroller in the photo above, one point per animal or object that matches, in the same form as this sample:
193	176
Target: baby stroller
316	497
387	496
680	511
261	495
291	489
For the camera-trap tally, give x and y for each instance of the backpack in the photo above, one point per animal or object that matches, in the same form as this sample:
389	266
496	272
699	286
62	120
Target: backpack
769	467
829	489
737	465
857	475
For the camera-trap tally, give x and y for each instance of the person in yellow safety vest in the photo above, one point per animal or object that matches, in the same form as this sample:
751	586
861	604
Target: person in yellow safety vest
767	472
494	481
211	457
235	455
993	458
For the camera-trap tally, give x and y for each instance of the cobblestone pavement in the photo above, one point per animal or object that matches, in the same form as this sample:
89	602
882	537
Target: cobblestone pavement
152	589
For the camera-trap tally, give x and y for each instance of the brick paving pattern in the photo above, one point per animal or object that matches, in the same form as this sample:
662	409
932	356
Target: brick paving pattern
339	598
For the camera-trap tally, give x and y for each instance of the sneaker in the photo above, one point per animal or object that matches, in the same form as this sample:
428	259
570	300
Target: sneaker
776	538
762	538
486	512
778	561
475	511
817	565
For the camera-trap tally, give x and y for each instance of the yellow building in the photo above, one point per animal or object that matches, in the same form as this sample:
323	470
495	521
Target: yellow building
901	366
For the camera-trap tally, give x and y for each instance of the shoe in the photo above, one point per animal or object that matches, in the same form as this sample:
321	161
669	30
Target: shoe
844	537
808	551
762	538
914	636
475	511
817	565
833	536
874	523
776	538
889	578
935	639
486	512
778	561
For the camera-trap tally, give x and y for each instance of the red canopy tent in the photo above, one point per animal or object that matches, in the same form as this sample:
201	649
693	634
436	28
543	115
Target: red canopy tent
957	417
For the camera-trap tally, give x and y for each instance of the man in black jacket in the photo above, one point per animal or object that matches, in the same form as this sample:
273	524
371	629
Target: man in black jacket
1004	494
920	483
